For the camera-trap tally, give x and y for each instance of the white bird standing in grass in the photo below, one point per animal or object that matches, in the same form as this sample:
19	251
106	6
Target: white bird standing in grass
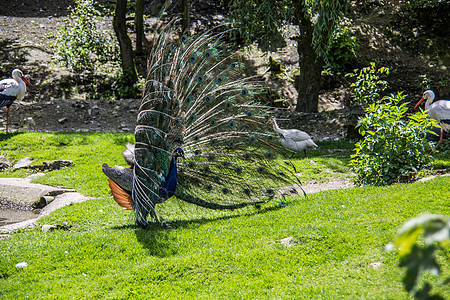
439	110
12	89
294	139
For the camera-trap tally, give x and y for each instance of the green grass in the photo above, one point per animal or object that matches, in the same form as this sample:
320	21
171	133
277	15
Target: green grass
211	255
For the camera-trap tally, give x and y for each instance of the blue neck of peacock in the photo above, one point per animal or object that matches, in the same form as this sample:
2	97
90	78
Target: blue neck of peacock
169	185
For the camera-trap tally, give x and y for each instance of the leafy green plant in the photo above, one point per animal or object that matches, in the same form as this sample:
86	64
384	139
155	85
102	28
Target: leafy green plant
341	50
82	46
393	145
419	258
122	88
369	84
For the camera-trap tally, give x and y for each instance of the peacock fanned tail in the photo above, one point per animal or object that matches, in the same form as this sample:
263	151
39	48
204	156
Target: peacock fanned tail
196	99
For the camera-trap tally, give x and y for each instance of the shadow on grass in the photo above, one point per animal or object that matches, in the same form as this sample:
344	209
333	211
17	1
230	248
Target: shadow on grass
161	243
5	136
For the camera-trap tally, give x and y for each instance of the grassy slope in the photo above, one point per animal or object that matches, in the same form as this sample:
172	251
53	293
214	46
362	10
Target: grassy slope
209	255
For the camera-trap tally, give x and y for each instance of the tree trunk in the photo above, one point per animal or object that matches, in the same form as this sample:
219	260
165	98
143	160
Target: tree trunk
139	25
126	47
186	21
309	82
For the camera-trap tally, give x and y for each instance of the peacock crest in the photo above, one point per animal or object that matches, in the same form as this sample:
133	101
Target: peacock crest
197	102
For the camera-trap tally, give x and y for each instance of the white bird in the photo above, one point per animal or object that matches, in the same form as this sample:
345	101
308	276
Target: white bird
439	110
12	89
294	139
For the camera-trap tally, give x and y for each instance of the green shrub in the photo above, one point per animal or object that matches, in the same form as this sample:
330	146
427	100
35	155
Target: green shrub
393	145
341	50
368	84
122	88
82	47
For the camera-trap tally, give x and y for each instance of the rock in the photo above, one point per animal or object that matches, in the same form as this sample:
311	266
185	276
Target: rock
288	242
23	163
52	165
21	265
57	164
46	227
34	176
375	265
23	193
62	120
4	162
40	204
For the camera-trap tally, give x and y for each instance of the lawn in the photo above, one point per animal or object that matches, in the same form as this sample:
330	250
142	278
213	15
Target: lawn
336	236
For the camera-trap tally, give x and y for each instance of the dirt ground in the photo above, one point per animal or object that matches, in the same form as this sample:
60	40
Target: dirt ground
27	41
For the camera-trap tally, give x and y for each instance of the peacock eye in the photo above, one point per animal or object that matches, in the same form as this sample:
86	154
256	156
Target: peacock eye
200	78
219	79
207	54
192	58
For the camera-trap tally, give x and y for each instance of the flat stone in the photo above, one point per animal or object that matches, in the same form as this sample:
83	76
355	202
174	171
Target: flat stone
23	163
24	193
34	176
60	201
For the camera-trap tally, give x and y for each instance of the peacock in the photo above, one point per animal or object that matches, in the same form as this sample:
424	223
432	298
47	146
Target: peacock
202	135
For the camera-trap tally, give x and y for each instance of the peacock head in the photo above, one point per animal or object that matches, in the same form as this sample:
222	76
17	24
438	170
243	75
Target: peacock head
178	153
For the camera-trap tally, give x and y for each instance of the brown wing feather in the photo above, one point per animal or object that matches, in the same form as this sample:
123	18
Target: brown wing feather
120	196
